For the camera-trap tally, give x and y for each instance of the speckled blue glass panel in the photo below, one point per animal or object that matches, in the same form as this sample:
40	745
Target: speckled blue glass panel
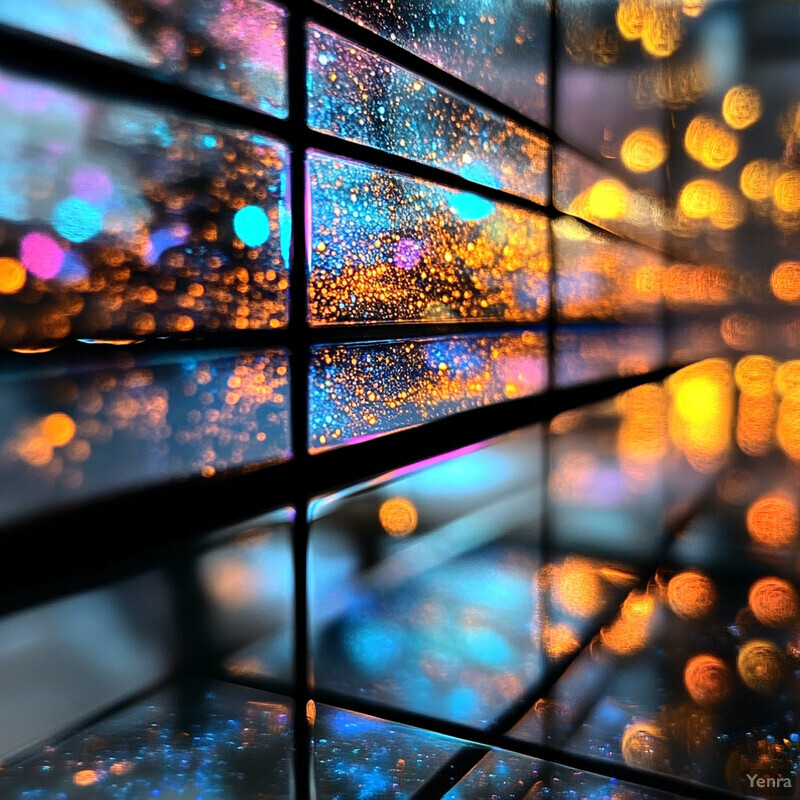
214	740
360	96
501	46
359	391
586	353
231	49
121	422
120	220
386	247
358	756
502	775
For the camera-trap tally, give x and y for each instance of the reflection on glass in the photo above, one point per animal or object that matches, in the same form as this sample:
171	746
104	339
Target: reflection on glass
506	776
360	756
360	96
428	591
359	391
247	579
126	422
585	190
610	94
710	693
589	353
65	661
231	49
385	247
601	277
214	740
120	220
500	46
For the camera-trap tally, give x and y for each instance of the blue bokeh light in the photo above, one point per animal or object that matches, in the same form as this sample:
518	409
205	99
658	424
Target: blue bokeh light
251	225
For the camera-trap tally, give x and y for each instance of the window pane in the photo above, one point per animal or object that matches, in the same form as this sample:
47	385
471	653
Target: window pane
499	46
207	740
247	580
386	247
585	190
359	391
586	353
123	220
358	95
231	49
429	592
601	277
363	757
125	422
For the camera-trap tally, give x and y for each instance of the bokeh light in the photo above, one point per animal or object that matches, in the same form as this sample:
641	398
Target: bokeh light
398	516
785	281
251	225
691	595
643	150
773	520
645	745
742	107
760	665
12	275
710	143
608	199
708	679
77	220
41	255
773	601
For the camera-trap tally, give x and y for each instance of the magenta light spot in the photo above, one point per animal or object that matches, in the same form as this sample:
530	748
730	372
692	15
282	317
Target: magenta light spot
407	253
92	184
40	255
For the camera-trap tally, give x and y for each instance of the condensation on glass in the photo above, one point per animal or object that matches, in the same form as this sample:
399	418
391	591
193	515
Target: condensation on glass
123	422
501	47
586	190
230	49
360	96
604	278
123	221
356	755
201	740
586	353
359	391
429	591
387	247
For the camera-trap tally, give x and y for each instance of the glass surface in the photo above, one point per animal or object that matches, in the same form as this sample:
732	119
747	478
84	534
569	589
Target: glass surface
501	47
601	277
359	391
359	756
247	581
199	741
429	592
586	353
231	49
64	661
124	422
586	190
360	96
386	247
502	775
612	95
120	220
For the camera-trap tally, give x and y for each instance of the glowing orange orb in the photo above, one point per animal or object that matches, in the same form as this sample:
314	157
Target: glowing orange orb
773	601
708	679
691	595
773	520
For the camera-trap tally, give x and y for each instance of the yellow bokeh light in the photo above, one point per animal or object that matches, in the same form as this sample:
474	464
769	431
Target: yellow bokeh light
58	428
661	30
786	192
608	199
700	198
576	587
785	281
693	8
742	107
708	679
560	640
691	595
755	375
787	379
630	19
773	602
710	143
760	665
644	745
773	520
398	516
757	180
643	150
12	276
